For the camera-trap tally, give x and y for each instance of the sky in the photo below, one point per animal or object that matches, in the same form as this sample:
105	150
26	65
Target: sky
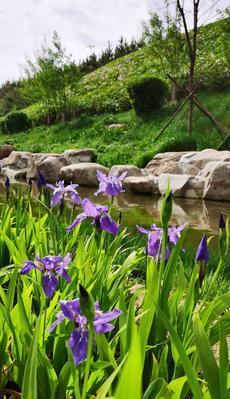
80	23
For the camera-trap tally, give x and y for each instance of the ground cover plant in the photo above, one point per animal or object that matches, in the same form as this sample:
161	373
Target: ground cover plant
116	145
87	311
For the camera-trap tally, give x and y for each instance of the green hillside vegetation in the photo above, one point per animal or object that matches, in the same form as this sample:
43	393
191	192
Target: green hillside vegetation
101	99
134	141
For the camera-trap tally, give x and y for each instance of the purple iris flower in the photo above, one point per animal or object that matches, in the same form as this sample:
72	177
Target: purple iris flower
111	184
155	236
78	341
60	191
100	217
52	267
202	253
222	222
7	183
41	180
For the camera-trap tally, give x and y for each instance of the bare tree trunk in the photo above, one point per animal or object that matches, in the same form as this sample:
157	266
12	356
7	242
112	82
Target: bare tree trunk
190	109
192	44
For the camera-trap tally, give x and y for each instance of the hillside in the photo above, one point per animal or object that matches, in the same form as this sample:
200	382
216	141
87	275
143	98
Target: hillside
133	140
102	100
104	90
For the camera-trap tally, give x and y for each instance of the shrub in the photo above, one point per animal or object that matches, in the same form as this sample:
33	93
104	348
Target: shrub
17	122
147	94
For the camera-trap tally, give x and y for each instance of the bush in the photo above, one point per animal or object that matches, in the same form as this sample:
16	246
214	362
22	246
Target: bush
170	144
147	94
17	122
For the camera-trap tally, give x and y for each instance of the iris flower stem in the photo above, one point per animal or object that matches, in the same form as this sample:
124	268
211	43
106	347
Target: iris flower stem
88	361
44	326
76	378
163	251
220	264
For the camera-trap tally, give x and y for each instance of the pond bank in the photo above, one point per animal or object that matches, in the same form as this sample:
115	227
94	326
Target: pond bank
200	175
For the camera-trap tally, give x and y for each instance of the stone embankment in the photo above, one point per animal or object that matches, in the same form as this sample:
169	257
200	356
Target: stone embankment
204	174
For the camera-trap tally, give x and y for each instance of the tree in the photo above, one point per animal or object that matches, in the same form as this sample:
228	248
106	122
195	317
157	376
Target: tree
51	78
191	39
11	97
176	50
165	43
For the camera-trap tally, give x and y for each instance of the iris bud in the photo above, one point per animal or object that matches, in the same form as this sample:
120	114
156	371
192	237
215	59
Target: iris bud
166	209
222	236
86	304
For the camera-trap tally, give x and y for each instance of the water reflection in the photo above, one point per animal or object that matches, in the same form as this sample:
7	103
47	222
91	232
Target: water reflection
145	209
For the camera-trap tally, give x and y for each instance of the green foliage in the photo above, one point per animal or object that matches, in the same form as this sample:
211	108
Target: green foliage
147	94
17	122
163	339
105	89
185	143
133	142
11	97
51	78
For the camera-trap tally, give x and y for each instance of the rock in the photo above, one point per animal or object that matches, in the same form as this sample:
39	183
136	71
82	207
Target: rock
165	163
217	180
17	160
182	185
34	162
192	163
84	174
116	125
5	150
130	169
75	156
141	184
20	174
51	166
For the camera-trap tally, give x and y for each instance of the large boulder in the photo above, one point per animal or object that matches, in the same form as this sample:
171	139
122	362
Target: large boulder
84	155
130	169
182	185
84	174
217	180
51	167
167	162
5	150
192	163
17	160
141	184
36	161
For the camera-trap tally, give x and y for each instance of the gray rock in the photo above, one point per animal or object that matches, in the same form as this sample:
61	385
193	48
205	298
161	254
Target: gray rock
217	180
192	163
167	162
141	184
84	174
116	126
51	166
182	185
84	155
130	169
16	160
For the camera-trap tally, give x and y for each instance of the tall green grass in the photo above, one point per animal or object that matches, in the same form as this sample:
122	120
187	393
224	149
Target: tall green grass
162	344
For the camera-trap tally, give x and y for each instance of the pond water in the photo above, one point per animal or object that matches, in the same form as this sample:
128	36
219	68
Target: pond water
145	209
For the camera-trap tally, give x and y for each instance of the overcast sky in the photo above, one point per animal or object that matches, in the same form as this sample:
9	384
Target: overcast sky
80	23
